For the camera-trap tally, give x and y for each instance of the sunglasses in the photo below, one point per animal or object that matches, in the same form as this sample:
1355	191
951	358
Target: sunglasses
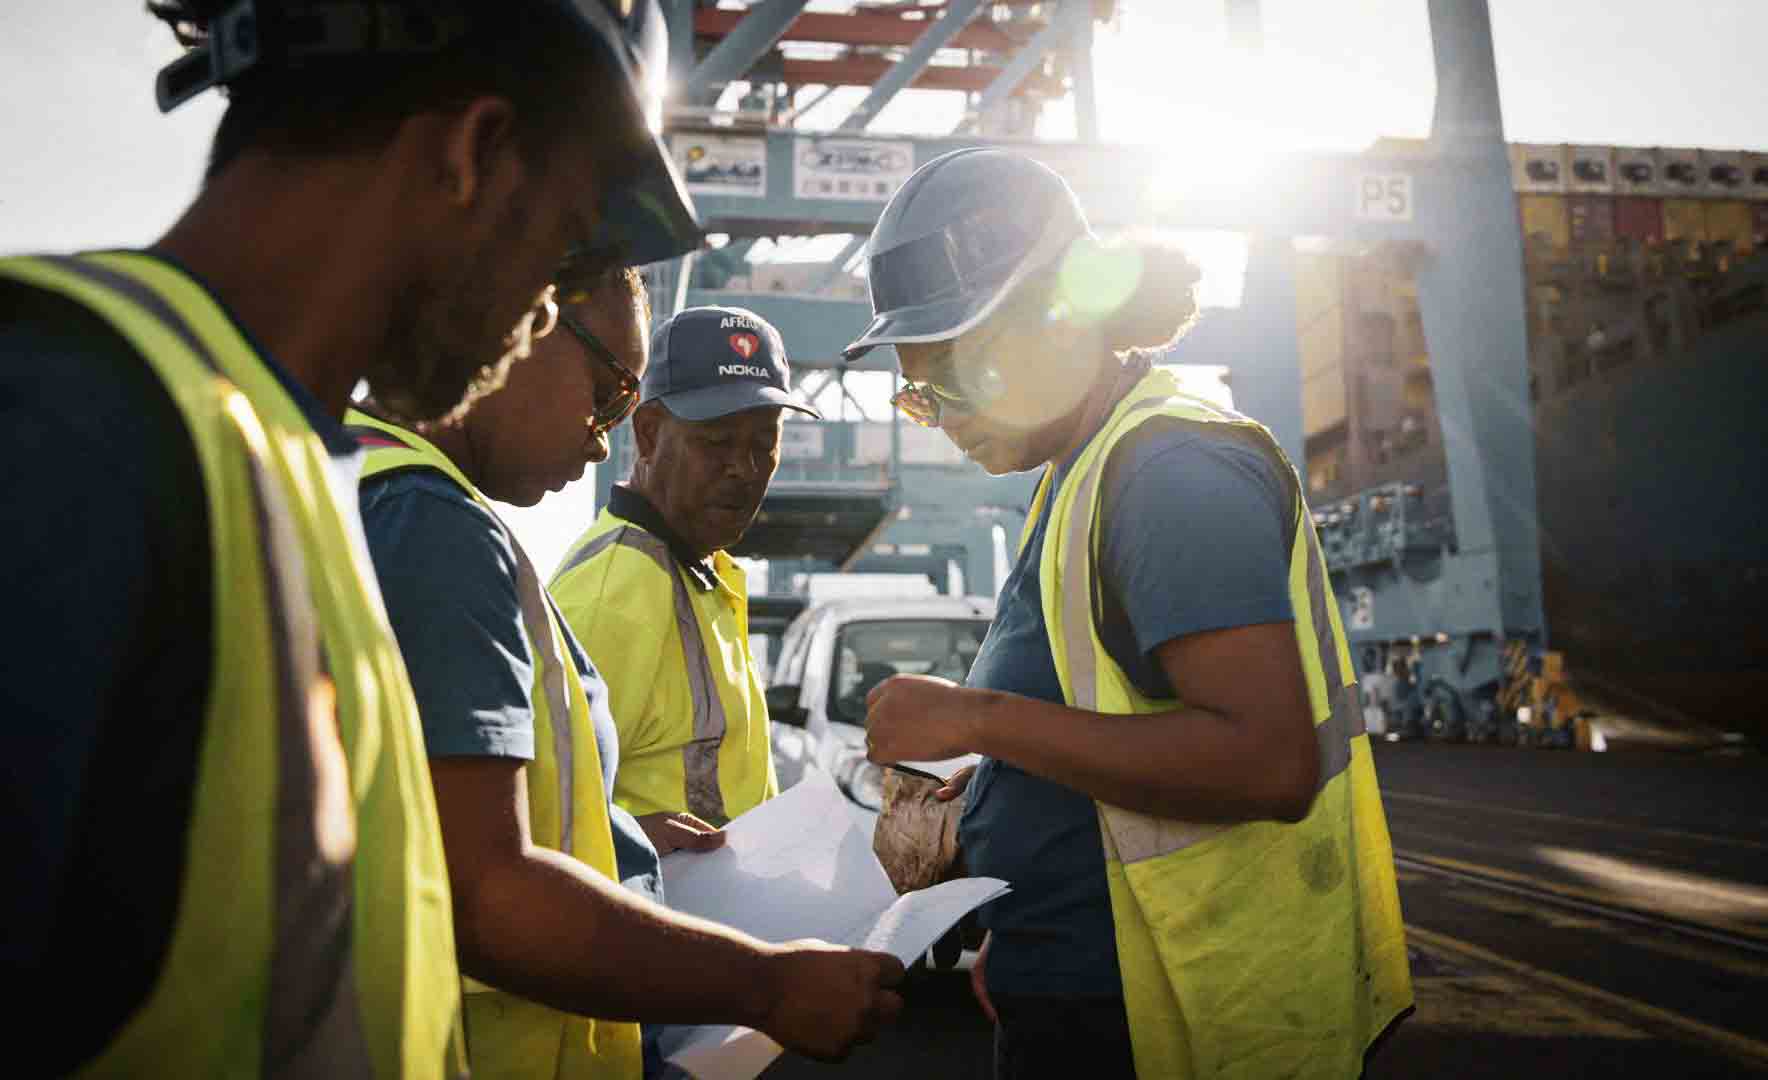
608	414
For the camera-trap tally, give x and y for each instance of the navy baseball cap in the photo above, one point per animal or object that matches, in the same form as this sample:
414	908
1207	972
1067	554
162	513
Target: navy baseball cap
708	362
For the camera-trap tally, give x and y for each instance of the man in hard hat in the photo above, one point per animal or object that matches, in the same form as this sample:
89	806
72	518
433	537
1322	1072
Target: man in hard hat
524	751
650	589
226	832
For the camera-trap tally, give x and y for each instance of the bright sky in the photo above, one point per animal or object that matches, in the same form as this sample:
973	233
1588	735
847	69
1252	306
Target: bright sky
89	161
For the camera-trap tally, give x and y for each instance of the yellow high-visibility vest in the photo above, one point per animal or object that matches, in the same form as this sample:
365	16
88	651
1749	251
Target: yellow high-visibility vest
314	934
510	1036
683	686
1255	950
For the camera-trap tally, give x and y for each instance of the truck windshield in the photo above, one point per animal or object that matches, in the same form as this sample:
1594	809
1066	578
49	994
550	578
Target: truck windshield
867	653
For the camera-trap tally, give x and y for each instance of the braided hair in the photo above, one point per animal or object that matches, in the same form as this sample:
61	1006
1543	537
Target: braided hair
528	53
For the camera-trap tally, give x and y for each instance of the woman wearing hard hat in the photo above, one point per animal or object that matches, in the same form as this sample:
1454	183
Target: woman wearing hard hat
1175	777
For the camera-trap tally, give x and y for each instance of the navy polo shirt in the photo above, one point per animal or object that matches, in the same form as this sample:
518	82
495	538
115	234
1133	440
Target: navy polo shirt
1198	525
448	575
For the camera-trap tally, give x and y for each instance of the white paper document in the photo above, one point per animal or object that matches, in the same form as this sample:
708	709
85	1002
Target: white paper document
798	866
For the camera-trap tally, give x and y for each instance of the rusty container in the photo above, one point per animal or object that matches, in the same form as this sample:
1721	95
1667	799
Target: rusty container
1590	220
1637	217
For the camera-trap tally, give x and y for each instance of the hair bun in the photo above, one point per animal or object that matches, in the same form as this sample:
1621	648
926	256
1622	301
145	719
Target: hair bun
1163	305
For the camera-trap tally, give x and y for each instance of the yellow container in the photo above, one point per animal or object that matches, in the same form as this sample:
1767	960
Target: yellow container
1731	220
1545	214
1685	219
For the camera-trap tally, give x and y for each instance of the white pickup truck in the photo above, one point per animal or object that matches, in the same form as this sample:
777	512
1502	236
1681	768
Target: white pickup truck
832	655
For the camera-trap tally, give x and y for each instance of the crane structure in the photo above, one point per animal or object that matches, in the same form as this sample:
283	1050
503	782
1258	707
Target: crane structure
871	494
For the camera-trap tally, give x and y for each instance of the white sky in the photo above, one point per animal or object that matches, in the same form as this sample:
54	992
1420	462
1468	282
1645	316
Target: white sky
89	160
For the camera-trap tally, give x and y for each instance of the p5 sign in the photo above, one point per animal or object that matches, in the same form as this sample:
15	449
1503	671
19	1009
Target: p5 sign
1384	197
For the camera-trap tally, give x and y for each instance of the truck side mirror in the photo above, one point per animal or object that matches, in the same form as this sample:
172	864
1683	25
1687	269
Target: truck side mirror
783	707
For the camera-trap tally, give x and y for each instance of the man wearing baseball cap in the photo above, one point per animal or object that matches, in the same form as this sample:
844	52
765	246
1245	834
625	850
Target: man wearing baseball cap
649	589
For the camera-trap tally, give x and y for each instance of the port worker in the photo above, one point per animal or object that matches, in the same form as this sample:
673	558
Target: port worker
225	835
649	587
523	750
1175	777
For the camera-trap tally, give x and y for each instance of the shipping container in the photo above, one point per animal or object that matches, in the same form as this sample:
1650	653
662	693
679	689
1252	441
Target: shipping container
1732	221
1639	218
1591	220
1685	219
1637	171
1756	186
1680	172
1591	171
1724	172
1544	215
1537	167
1319	304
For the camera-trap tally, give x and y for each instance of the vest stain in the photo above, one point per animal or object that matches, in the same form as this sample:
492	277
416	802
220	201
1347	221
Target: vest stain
1322	870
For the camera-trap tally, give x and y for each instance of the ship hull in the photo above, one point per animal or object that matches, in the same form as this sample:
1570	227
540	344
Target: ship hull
1652	482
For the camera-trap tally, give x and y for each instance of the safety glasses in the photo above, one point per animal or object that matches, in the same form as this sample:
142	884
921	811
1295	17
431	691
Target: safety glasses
608	414
926	403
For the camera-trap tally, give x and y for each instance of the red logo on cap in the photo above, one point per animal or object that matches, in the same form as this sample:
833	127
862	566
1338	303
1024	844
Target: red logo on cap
745	344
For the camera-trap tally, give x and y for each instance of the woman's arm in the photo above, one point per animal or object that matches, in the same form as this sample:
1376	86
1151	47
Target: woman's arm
1242	749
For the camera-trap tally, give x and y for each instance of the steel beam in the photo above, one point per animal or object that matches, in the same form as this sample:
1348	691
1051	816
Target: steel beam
858	28
867	70
839	263
1299	194
679	19
1086	105
957	15
1030	55
791	115
761	29
1471	298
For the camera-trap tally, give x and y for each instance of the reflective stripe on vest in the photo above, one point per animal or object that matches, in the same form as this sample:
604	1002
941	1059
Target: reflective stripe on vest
312	985
1252	950
530	595
699	758
1151	836
304	1015
512	1036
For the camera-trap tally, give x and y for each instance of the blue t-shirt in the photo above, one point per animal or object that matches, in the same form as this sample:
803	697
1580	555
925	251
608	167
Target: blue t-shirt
1197	532
448	574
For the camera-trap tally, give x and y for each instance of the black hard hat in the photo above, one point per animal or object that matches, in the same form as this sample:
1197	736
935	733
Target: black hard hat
959	235
646	219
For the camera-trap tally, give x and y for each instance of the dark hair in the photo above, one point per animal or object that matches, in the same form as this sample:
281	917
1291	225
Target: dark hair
624	280
1163	306
533	56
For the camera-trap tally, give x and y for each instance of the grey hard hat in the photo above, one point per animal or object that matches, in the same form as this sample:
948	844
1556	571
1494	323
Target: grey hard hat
957	237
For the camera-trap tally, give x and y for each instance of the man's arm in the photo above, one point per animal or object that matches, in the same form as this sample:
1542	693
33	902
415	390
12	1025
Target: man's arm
531	920
542	925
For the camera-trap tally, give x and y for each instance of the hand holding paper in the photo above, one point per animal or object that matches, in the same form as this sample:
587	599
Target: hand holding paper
798	867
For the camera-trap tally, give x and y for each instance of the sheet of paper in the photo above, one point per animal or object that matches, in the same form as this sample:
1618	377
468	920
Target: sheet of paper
911	925
799	866
714	1052
794	867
